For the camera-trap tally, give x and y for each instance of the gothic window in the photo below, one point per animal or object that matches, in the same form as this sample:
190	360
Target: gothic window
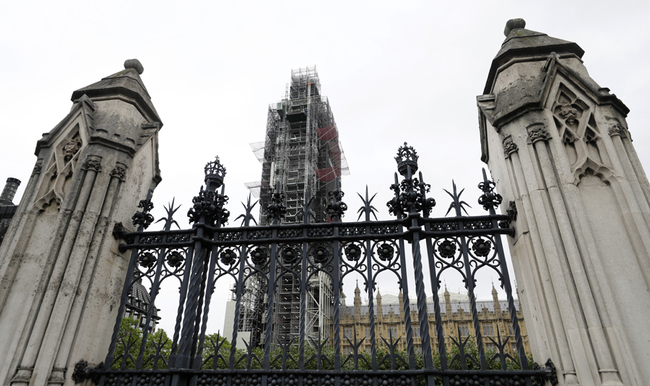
464	330
488	329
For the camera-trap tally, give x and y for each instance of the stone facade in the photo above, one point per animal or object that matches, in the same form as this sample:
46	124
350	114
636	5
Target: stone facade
457	319
7	207
558	146
61	272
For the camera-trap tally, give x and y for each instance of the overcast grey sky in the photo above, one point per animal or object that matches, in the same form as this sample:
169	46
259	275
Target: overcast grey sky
393	72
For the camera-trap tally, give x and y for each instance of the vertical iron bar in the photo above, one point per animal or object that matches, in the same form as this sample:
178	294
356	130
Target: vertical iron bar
209	289
194	294
154	292
303	288
469	284
181	306
199	311
336	287
405	295
125	291
423	315
239	289
371	304
505	282
268	325
303	302
125	294
435	286
336	272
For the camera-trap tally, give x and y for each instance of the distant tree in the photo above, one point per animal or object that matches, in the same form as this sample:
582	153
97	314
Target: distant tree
156	350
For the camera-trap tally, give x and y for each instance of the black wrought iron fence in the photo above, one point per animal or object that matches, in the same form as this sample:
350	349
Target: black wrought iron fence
257	258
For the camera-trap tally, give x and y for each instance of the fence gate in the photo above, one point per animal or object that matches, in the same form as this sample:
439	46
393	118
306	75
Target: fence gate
260	256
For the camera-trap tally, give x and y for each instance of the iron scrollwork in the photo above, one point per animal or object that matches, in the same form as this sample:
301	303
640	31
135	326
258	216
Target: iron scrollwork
489	199
261	258
143	217
209	206
410	193
276	209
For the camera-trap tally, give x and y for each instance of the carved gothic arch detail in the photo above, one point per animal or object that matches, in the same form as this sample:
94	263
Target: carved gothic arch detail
581	136
59	170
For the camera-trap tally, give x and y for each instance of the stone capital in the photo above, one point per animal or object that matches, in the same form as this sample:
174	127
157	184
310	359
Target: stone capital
119	171
93	162
537	132
617	129
509	146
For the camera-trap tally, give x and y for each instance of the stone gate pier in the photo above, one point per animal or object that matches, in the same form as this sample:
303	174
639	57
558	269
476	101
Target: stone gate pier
61	272
559	148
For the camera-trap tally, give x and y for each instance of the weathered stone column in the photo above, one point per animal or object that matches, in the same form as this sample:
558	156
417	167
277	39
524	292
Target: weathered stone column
558	146
61	273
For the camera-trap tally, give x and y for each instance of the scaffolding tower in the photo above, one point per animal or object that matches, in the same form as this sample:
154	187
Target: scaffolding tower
302	155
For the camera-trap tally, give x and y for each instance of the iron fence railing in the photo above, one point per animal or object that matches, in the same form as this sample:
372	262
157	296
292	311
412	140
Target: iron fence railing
260	256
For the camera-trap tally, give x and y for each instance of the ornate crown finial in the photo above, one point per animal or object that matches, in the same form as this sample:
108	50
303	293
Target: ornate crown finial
214	174
406	156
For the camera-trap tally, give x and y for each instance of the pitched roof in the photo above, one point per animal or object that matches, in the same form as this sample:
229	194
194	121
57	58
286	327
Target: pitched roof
126	82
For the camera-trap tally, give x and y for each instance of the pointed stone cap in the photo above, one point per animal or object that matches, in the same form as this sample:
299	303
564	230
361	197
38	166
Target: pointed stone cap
126	82
521	42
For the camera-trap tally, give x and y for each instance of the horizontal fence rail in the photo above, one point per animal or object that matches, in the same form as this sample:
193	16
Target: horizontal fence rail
284	347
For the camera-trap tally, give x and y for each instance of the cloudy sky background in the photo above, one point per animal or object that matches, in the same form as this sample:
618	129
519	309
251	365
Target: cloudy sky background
393	72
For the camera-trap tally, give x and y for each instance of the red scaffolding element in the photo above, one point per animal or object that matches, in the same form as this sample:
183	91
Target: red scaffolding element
328	133
329	136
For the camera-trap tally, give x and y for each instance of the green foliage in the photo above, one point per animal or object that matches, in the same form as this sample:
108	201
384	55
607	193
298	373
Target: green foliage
156	351
217	349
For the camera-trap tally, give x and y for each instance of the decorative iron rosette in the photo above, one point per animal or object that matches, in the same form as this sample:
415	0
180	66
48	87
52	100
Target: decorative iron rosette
228	256
447	249
352	252
147	259
385	252
289	255
481	247
175	259
320	253
259	255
